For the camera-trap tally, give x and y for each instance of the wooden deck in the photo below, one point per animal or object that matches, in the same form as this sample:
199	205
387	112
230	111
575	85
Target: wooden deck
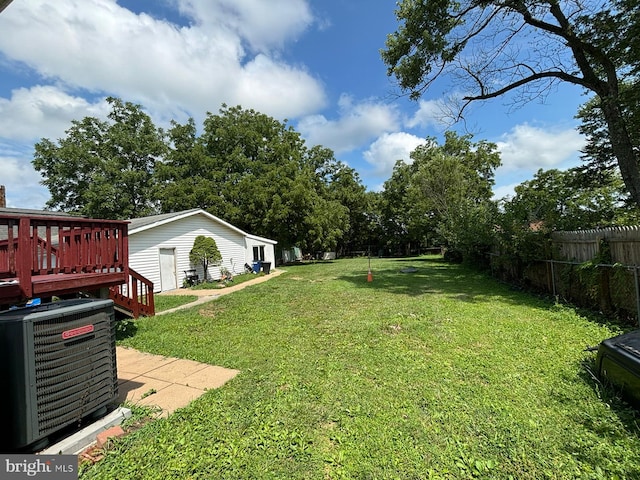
45	256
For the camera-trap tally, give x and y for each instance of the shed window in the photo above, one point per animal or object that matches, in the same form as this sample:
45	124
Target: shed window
258	253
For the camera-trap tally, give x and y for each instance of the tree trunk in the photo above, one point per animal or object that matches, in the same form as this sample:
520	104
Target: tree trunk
622	147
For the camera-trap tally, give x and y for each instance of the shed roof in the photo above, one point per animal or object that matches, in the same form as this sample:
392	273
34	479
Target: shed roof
36	213
4	4
145	223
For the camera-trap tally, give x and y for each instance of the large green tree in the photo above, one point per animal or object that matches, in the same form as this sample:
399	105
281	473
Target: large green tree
103	169
256	173
442	197
495	48
562	200
187	178
451	188
343	187
403	231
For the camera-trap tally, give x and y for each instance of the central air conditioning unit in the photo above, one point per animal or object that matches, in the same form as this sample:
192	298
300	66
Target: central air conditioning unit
58	364
618	361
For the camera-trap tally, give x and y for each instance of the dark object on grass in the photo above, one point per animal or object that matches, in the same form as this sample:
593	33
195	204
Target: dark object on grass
453	256
618	362
409	270
225	275
191	278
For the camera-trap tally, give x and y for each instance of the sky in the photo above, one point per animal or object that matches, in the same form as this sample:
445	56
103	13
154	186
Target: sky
313	63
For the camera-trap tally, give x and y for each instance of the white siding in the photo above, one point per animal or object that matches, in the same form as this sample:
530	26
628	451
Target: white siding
269	250
180	234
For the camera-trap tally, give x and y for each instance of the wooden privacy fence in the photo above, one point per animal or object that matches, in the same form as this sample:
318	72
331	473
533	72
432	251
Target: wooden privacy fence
597	269
584	245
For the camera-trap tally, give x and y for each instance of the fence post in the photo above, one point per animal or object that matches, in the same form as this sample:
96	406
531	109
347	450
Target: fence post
553	279
635	276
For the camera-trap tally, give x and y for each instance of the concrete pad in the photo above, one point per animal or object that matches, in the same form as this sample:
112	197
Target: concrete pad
176	381
140	363
136	388
126	376
172	397
176	371
210	377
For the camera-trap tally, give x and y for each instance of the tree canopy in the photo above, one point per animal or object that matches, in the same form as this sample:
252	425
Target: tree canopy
103	169
524	47
245	167
445	193
256	173
562	200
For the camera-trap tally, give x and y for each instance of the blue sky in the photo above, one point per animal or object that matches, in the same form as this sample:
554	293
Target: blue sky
315	63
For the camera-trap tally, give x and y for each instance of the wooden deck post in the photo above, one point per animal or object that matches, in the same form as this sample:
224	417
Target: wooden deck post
23	259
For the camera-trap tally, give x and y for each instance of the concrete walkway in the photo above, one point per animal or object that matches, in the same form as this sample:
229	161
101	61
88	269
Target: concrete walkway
208	295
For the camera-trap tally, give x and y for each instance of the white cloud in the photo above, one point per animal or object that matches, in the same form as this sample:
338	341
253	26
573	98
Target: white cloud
526	149
273	88
531	148
430	113
358	123
43	111
390	147
263	25
99	46
505	191
22	183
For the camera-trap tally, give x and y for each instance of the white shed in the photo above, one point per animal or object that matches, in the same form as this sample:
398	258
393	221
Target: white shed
159	246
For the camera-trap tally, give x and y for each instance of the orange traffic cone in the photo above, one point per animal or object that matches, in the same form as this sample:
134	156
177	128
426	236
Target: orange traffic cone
369	277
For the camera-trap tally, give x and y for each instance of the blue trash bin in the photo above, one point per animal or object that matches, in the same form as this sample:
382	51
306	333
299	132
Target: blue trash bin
256	266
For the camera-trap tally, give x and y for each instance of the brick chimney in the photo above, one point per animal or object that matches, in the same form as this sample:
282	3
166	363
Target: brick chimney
3	197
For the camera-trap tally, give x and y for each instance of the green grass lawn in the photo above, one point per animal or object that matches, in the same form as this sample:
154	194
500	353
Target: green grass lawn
438	374
167	302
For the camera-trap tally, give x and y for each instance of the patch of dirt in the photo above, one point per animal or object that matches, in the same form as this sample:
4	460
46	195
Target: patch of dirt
394	328
210	311
93	454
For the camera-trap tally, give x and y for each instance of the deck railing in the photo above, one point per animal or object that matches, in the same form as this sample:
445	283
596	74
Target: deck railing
135	296
38	246
46	255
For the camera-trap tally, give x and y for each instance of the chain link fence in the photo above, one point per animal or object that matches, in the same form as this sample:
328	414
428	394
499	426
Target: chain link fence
612	289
